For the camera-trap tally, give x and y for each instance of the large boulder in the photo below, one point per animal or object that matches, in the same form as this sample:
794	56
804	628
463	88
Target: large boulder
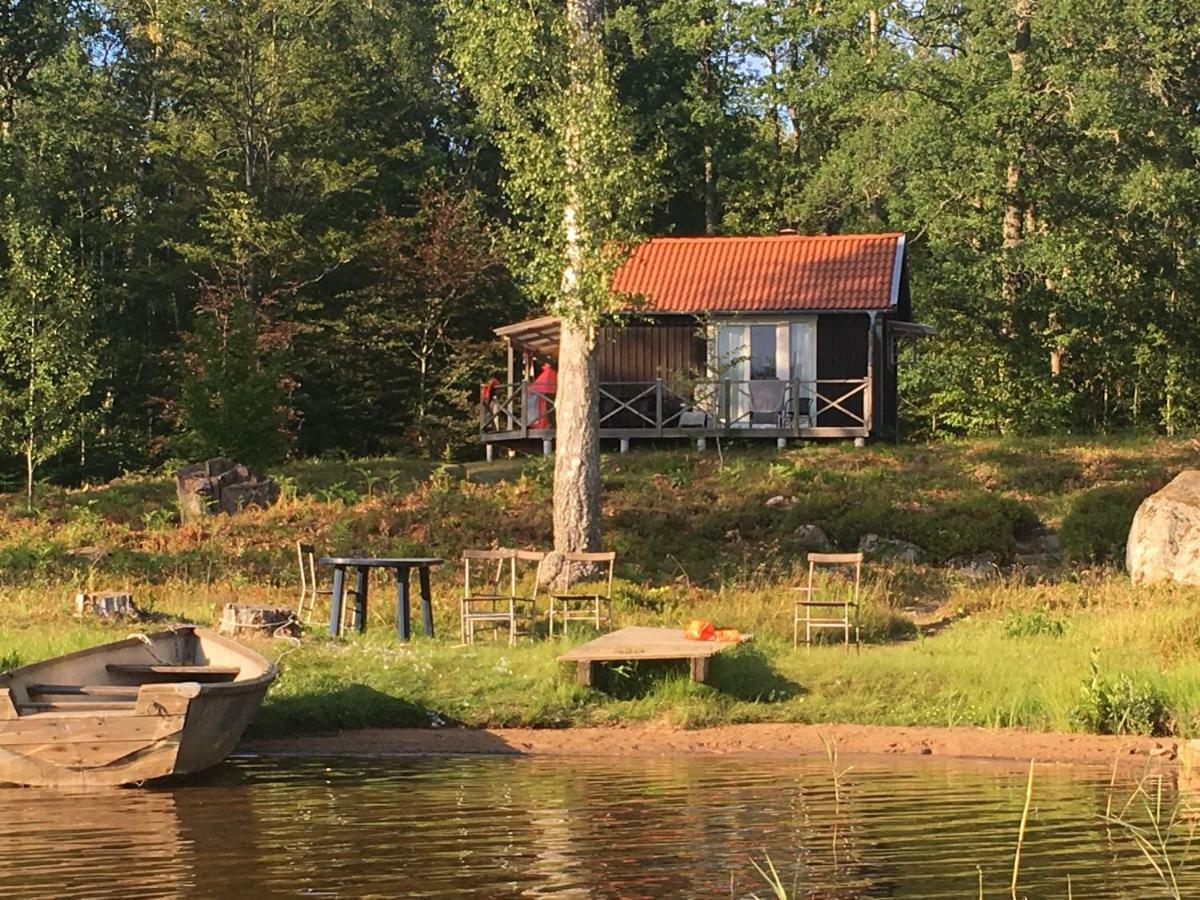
875	547
220	485
1164	540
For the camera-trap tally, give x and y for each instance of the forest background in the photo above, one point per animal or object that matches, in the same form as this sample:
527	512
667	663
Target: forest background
272	228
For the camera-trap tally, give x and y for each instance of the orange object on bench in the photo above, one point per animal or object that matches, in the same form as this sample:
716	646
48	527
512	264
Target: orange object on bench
699	630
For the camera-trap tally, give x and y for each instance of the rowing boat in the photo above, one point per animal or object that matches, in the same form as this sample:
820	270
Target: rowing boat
146	707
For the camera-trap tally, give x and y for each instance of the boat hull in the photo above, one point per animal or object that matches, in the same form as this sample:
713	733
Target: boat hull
172	728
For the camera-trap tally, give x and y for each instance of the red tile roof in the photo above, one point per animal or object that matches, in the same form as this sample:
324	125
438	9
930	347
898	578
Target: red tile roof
777	272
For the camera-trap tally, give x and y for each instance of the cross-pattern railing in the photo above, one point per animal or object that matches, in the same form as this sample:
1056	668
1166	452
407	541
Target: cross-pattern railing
671	407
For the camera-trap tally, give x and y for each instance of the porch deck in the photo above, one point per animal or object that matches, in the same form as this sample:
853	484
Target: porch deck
829	408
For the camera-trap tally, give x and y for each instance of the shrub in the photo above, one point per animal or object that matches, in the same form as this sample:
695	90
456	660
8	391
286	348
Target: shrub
1033	622
963	526
1096	528
1122	706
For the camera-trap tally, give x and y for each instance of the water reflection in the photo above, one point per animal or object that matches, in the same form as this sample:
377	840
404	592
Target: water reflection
547	826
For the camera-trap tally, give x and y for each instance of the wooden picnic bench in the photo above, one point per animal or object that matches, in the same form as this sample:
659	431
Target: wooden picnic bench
641	642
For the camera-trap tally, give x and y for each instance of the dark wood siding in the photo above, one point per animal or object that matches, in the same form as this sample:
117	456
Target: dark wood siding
644	352
841	353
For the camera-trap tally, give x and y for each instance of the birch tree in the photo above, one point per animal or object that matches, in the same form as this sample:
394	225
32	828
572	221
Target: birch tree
47	355
546	88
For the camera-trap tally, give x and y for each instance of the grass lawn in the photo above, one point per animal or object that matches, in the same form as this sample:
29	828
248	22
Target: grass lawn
1068	646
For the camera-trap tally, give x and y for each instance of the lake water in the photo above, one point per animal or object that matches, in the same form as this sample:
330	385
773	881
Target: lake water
546	826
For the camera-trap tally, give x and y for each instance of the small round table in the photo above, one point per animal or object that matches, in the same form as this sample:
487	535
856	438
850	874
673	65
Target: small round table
362	564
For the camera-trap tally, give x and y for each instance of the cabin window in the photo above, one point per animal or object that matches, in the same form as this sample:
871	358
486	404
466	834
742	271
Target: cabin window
763	351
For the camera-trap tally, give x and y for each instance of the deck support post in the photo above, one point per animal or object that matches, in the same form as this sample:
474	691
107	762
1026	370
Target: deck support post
624	445
781	443
860	442
701	444
548	447
489	451
699	668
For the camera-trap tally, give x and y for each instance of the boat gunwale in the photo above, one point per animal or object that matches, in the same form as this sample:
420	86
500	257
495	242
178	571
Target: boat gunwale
262	681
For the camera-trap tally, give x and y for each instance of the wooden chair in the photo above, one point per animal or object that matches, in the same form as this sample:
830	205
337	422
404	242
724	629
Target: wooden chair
310	593
495	595
582	604
821	605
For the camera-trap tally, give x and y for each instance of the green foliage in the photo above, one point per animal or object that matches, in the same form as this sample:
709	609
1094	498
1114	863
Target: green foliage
230	398
48	352
964	525
1033	623
1122	705
1096	528
548	91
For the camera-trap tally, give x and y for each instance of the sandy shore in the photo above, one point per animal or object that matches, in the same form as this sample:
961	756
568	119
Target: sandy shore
654	740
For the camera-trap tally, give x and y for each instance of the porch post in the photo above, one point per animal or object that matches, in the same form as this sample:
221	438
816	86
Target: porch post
658	405
869	393
523	399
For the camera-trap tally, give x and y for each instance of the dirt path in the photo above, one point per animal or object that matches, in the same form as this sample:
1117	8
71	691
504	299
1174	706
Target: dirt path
652	740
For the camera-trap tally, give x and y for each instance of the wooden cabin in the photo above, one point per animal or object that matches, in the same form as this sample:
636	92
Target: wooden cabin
781	336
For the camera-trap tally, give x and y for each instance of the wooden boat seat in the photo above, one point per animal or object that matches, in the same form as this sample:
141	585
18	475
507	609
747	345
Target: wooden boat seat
84	690
152	673
76	706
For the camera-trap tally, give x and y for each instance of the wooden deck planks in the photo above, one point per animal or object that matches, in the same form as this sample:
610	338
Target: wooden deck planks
641	642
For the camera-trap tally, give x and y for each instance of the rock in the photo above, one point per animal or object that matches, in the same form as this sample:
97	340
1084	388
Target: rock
1041	543
220	485
90	554
1164	540
241	618
107	605
875	547
977	567
811	536
777	502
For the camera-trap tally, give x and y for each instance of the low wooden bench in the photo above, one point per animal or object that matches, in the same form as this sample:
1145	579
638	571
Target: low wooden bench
641	642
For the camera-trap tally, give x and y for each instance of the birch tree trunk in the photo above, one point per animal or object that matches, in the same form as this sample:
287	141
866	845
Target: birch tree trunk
577	430
577	454
1014	207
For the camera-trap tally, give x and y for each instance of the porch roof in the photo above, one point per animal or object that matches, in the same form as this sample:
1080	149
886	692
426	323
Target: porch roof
539	336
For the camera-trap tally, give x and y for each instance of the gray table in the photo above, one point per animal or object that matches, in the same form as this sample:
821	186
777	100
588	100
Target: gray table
362	566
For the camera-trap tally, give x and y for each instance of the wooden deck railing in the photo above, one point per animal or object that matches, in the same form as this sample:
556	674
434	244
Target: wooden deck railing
673	409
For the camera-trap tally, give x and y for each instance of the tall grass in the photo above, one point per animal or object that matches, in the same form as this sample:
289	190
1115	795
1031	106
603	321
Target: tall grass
694	539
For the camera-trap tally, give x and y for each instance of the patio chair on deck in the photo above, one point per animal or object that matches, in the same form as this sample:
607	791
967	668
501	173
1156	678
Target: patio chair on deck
491	592
310	594
590	599
830	605
768	399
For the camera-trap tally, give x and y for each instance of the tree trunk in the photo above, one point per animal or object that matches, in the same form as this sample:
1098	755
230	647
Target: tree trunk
29	473
1014	209
710	191
577	433
576	417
